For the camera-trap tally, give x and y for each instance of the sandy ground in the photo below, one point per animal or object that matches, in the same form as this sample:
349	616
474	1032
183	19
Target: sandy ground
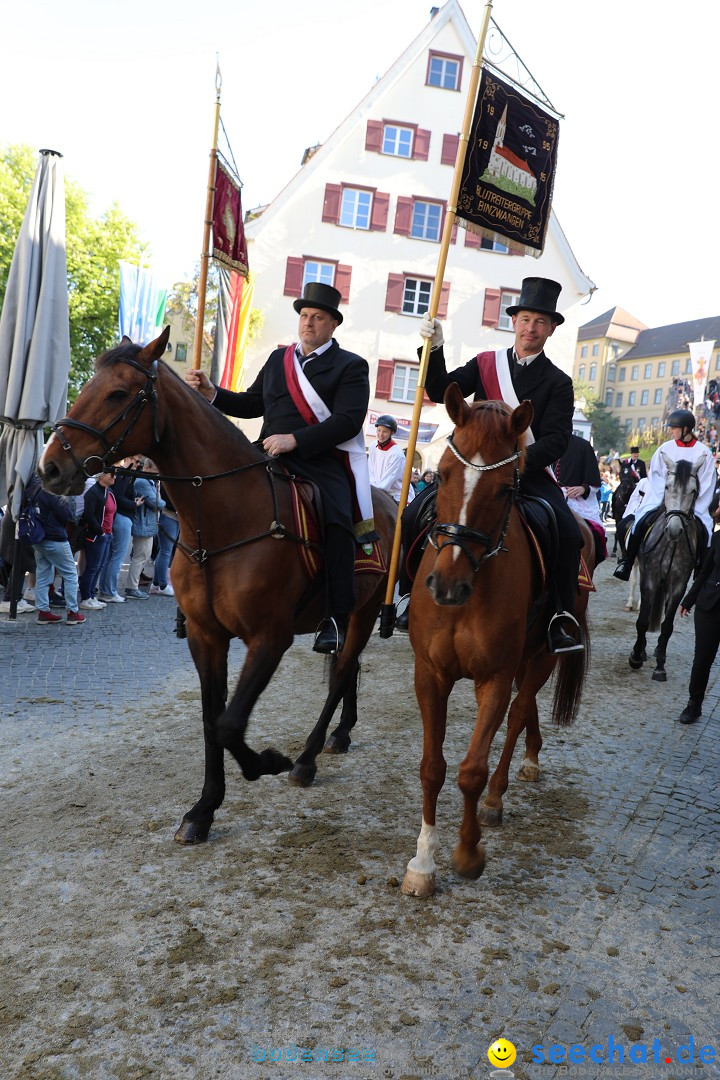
127	956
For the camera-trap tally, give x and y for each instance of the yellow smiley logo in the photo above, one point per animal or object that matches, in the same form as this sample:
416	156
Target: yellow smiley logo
501	1053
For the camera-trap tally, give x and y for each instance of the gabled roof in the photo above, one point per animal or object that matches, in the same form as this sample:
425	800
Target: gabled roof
449	12
615	323
667	340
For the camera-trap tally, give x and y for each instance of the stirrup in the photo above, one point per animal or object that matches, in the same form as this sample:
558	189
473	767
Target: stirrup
329	636
563	643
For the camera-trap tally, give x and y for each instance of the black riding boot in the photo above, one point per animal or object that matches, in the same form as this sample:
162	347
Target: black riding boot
624	567
340	568
563	624
691	712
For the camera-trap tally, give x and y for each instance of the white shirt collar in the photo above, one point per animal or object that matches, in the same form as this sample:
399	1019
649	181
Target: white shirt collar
526	359
315	352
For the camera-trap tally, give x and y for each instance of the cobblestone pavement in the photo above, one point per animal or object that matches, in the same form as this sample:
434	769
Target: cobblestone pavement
595	924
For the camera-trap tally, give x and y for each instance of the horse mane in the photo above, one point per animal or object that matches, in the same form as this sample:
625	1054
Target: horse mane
130	351
494	424
683	471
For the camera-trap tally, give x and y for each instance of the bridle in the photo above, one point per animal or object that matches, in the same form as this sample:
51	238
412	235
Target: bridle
130	415
461	535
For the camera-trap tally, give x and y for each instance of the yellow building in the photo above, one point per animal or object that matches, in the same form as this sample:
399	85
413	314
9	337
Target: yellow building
637	371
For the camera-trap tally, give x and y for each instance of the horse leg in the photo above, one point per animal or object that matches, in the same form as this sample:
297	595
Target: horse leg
492	698
638	656
432	692
338	741
211	663
666	629
523	716
344	676
263	657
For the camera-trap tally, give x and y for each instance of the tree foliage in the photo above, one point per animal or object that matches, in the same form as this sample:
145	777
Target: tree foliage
94	248
608	432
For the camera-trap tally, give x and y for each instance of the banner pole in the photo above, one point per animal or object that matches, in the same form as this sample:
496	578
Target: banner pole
205	253
387	612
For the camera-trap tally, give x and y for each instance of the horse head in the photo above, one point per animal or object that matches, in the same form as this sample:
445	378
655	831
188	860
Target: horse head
478	479
115	415
681	491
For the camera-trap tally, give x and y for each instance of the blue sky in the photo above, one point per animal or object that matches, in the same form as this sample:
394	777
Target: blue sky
127	92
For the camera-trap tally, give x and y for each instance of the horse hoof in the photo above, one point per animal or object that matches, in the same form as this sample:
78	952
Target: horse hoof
659	676
469	863
337	744
191	832
302	775
634	662
490	816
529	772
415	884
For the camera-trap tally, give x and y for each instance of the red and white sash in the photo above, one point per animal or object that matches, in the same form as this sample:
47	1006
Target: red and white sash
313	410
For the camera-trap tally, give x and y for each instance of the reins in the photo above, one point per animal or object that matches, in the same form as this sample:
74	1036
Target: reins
460	535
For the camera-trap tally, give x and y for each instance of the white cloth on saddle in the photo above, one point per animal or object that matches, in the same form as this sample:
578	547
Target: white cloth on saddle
354	448
586	508
707	478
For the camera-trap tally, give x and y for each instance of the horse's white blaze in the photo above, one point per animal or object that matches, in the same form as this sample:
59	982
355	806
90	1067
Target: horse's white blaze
49	444
427	845
470	482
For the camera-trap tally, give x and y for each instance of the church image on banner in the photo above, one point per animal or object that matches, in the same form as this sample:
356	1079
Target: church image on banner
365	214
504	163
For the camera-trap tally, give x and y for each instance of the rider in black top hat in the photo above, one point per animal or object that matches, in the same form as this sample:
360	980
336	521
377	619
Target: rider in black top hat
524	372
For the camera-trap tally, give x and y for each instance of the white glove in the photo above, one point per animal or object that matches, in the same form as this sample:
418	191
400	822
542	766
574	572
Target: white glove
432	328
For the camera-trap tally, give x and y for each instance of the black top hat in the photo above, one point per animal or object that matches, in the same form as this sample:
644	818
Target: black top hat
634	449
538	294
320	296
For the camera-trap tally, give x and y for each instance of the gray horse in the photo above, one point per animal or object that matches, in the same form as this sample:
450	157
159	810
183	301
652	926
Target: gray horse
666	559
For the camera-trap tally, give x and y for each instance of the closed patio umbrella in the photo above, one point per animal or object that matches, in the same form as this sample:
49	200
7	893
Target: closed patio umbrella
34	333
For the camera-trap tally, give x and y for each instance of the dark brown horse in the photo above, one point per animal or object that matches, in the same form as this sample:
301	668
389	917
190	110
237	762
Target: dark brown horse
478	612
236	572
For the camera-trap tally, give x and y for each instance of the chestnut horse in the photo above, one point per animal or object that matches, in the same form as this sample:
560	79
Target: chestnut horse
237	571
478	611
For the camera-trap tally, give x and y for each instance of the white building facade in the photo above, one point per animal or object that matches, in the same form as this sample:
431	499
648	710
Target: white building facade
365	214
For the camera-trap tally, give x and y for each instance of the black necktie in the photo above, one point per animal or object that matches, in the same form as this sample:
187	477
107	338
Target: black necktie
306	359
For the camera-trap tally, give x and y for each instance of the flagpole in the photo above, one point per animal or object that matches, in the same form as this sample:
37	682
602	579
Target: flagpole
387	614
205	254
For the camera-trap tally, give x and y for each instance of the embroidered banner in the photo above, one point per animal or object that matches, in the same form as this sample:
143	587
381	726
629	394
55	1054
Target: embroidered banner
229	246
700	357
507	181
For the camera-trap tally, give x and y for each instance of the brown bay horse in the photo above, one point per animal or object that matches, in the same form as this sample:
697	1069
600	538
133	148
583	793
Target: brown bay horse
237	571
478	612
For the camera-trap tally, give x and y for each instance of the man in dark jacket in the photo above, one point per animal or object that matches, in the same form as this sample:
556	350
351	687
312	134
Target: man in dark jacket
313	398
524	372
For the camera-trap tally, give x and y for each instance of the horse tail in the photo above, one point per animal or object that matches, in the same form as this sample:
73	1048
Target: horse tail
571	671
657	609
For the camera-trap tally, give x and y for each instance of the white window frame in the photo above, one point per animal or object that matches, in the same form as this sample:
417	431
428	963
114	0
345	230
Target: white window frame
644	397
631	399
393	140
444	62
325	272
648	371
583	351
355	208
658	396
416	295
507	299
619	399
661	370
634	373
592	374
405	377
675	368
581	373
426	220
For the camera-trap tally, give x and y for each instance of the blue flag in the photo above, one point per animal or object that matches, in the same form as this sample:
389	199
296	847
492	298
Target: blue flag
142	304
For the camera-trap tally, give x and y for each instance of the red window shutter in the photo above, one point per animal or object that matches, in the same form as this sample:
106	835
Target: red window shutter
379	214
294	271
449	150
472	239
403	215
511	252
394	294
386	371
421	148
331	203
374	136
342	282
443	301
491	307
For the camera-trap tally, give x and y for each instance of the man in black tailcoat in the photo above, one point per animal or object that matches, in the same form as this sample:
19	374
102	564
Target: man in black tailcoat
524	372
302	427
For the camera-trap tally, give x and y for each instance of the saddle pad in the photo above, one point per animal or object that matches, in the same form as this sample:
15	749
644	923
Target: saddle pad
535	545
306	528
584	580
